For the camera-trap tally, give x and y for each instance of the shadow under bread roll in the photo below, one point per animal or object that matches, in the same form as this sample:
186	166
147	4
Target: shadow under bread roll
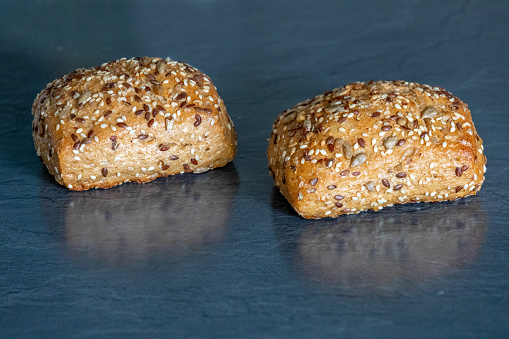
377	253
163	220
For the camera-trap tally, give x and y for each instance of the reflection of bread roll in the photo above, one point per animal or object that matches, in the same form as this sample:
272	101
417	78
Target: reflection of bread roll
131	120
165	219
372	145
383	252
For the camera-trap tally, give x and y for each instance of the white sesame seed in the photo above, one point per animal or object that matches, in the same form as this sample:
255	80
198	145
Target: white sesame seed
69	186
104	125
113	128
93	177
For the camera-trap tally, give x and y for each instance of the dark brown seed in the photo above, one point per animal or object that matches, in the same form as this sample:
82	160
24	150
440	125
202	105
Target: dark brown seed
458	172
344	173
122	124
150	122
375	114
164	148
314	181
76	145
423	134
401	175
154	112
459	188
386	183
182	104
361	142
330	140
161	108
194	161
108	101
330	147
307	158
293	168
137	98
331	187
165	166
356	174
142	136
80	120
173	157
147	116
74	137
339	197
207	110
90	133
386	127
393	117
147	89
114	145
113	138
139	112
329	162
400	142
86	141
198	120
459	126
108	113
338	204
187	168
146	108
104	171
398	187
464	168
343	119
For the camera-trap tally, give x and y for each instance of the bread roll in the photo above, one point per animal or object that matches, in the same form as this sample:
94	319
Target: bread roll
131	120
375	144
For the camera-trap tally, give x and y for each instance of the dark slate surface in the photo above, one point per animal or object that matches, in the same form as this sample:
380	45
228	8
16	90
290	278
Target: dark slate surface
221	254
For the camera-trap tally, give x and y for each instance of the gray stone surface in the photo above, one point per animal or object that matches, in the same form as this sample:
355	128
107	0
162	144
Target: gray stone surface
221	254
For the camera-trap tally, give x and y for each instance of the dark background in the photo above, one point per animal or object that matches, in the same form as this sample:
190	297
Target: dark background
221	254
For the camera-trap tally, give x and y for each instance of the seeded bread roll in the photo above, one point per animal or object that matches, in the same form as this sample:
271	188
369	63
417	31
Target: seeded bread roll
131	120
371	145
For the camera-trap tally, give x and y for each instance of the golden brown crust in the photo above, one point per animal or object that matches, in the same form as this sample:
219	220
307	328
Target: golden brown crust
375	144
131	120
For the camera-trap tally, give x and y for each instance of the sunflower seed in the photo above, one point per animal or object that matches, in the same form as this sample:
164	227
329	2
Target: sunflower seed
358	159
